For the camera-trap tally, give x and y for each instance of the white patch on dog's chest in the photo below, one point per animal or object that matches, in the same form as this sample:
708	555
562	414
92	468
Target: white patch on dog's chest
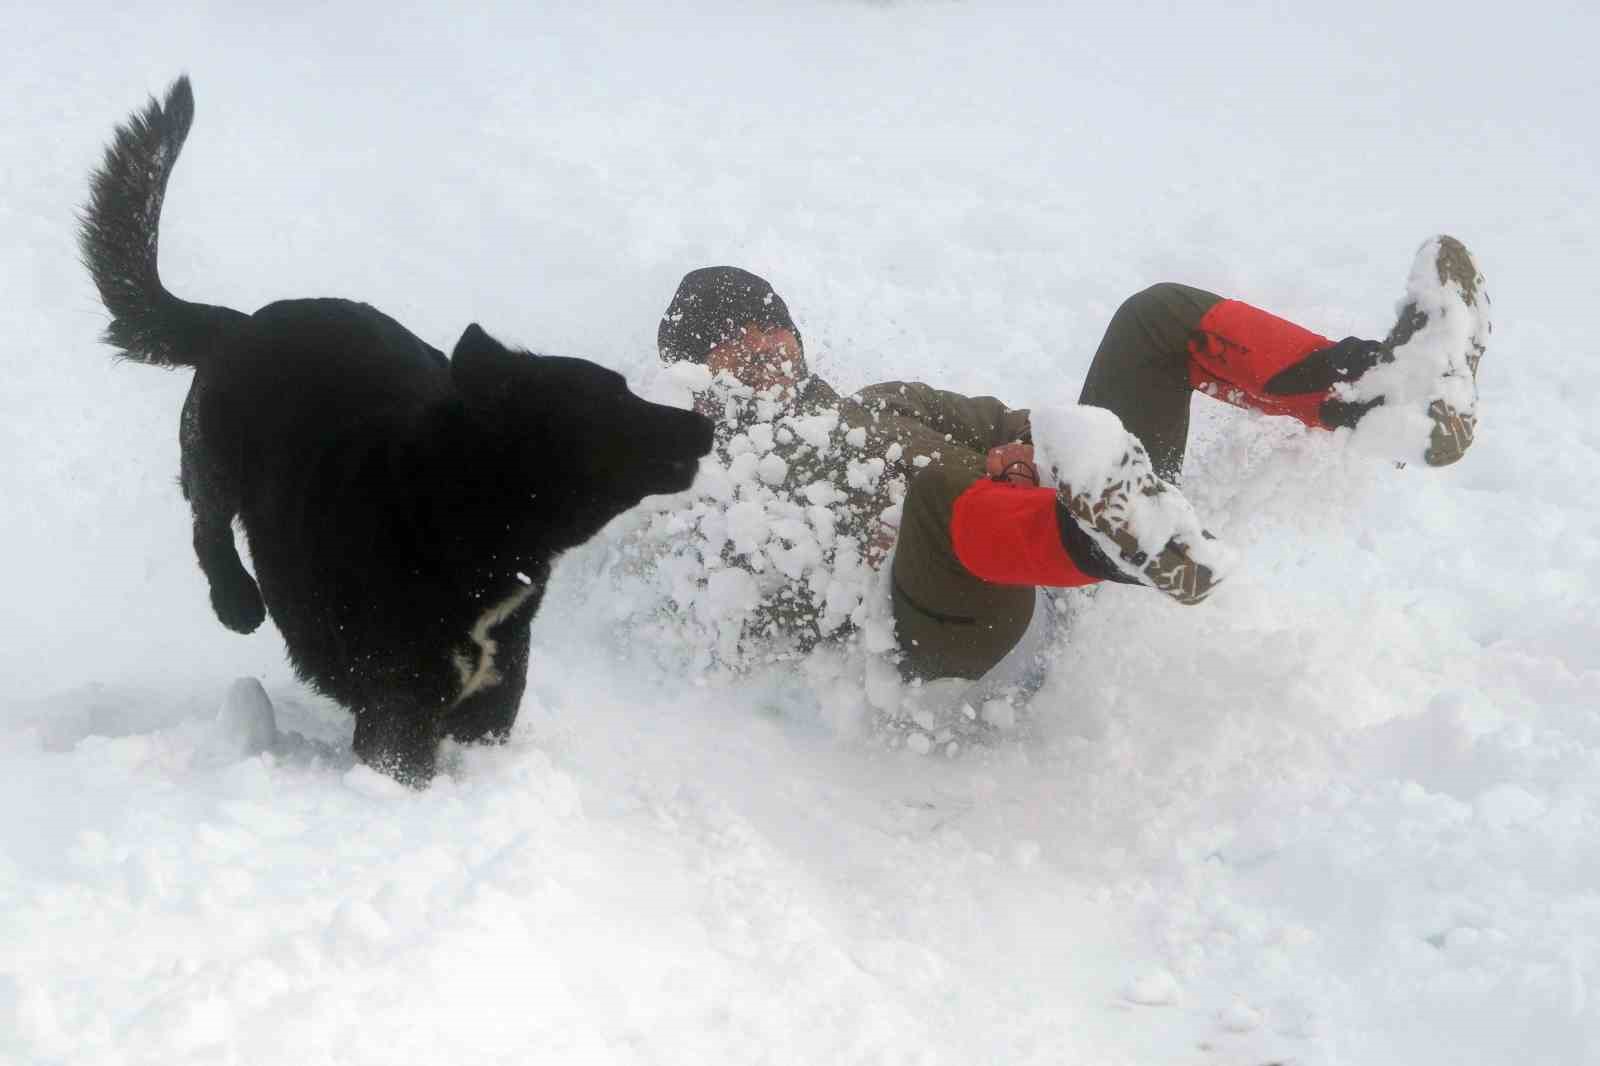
479	673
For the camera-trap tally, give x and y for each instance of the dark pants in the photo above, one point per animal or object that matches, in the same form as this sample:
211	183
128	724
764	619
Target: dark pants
1141	371
951	624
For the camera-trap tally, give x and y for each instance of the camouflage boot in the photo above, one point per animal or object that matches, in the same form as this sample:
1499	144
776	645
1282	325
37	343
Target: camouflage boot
1445	281
1422	396
1142	523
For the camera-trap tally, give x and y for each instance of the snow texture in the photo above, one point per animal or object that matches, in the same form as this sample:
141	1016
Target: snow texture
714	576
1347	806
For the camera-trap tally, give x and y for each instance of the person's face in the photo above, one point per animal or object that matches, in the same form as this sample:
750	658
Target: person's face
761	357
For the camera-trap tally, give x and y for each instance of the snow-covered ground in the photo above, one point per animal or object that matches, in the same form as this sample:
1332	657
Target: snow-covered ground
1347	811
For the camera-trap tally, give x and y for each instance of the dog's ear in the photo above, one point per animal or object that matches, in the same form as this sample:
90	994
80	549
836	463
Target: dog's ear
480	367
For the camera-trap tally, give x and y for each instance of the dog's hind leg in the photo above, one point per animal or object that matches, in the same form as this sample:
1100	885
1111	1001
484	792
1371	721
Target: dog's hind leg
400	742
213	500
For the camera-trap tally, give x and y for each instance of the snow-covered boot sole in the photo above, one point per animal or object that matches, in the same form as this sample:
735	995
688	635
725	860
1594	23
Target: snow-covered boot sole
1427	382
1453	424
1104	479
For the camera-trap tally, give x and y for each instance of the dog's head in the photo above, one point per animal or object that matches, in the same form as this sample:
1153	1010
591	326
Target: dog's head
571	433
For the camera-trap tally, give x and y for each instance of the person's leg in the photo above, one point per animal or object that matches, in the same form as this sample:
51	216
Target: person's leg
970	551
1172	339
948	621
972	548
1247	357
1141	372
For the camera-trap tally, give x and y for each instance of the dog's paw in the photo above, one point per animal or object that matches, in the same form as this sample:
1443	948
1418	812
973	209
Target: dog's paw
403	745
238	604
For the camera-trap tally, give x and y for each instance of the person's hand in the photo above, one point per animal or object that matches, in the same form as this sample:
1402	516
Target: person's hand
1013	463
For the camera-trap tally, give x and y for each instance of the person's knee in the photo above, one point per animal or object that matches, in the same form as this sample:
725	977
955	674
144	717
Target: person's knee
1158	321
1150	303
935	488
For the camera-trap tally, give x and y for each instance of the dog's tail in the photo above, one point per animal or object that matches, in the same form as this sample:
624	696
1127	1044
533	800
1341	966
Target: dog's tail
118	238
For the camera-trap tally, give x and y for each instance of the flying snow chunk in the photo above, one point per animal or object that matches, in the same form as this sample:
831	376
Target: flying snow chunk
815	429
761	437
246	725
692	376
772	469
822	493
731	592
743	466
863	475
748	526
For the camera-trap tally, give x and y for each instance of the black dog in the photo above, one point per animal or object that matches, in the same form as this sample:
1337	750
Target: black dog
402	509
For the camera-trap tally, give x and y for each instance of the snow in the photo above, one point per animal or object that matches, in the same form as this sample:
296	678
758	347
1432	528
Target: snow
1156	989
711	573
246	724
1342	812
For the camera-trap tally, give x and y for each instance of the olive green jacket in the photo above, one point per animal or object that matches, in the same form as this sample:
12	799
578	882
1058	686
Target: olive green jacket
867	447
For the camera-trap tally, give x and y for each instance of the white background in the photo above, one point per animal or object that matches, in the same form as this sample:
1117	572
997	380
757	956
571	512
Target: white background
1345	812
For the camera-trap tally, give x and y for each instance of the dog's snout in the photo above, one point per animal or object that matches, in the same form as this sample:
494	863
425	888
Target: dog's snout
674	433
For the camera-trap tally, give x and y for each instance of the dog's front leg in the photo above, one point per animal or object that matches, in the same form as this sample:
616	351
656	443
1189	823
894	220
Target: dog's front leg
489	713
401	741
